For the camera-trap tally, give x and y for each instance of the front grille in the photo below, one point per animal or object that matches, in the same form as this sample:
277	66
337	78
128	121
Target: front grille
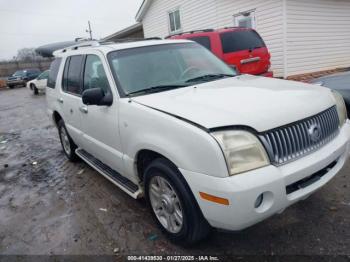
293	141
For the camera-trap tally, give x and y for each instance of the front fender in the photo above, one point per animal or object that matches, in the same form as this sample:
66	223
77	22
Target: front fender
186	145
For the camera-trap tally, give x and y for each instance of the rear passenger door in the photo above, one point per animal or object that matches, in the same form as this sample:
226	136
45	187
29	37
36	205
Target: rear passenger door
70	97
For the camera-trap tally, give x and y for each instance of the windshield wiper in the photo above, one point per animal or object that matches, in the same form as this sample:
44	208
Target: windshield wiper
154	89
208	77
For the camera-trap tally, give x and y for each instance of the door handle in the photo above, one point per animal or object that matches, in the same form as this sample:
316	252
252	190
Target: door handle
84	109
60	100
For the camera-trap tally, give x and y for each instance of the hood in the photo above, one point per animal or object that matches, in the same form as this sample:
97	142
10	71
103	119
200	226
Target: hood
257	102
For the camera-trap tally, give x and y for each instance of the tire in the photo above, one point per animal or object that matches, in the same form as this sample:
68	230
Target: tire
11	86
67	143
35	90
193	226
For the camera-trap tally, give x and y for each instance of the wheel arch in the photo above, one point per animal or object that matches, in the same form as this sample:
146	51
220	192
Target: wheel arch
144	157
56	117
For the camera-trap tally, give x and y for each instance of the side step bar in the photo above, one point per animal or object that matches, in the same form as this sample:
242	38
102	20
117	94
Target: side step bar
123	183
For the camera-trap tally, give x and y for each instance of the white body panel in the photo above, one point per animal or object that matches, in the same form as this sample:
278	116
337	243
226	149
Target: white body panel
175	124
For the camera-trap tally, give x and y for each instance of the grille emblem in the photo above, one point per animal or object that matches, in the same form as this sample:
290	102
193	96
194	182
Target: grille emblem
315	132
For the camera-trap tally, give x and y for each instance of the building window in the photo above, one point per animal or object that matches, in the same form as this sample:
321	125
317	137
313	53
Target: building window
245	19
174	21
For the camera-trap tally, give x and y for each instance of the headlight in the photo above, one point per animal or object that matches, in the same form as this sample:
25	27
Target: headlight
243	151
341	108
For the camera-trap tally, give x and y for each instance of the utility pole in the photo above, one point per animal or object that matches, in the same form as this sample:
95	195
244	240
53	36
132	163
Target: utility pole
89	30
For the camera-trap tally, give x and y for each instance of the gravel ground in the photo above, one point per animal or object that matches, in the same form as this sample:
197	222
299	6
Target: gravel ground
51	206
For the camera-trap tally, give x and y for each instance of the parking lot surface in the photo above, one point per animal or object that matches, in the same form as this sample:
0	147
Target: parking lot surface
51	206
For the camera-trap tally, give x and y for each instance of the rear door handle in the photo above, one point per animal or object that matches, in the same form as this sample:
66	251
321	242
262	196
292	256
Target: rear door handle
84	109
60	100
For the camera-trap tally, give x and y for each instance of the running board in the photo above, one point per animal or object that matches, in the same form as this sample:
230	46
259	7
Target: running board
123	183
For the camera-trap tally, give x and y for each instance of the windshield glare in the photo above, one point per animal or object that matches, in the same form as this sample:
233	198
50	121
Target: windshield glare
165	65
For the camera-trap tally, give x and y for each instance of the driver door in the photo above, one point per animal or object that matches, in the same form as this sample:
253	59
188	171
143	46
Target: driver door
100	124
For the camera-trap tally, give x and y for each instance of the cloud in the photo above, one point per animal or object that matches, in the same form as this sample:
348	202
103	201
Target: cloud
32	23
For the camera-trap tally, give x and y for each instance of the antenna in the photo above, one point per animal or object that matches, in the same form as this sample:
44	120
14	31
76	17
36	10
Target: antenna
89	30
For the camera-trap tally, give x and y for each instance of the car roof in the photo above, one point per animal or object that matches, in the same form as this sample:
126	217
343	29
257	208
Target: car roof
209	32
110	46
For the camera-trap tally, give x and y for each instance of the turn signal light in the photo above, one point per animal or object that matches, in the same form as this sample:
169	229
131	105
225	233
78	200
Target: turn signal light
215	199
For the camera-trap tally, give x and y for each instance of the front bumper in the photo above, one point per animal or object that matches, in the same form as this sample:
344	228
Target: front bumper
15	82
243	190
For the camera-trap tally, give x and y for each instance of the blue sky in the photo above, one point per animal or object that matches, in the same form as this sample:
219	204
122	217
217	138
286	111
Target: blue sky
31	23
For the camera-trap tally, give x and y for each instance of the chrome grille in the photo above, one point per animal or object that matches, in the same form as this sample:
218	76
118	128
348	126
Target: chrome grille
293	141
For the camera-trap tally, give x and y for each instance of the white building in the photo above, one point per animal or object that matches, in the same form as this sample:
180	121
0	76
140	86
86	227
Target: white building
303	36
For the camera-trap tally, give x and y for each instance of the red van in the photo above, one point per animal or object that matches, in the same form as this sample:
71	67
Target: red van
237	46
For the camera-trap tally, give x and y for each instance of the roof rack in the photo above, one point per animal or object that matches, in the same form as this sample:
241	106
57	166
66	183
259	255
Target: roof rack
94	43
191	32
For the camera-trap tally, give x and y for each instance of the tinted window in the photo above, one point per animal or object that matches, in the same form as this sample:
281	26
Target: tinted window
95	75
202	40
241	40
55	65
72	73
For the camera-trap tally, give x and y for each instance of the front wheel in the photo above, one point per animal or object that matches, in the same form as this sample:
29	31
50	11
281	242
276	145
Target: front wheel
66	141
173	204
35	90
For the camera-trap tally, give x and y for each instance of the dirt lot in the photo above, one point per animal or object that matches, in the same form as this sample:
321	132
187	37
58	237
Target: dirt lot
51	206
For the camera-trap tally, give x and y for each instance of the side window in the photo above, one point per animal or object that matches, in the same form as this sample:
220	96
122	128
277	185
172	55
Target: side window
202	40
72	74
55	65
95	75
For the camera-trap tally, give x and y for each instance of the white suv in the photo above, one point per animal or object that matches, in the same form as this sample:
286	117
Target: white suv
206	147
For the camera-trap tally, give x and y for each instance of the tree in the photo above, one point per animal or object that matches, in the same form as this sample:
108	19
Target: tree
27	55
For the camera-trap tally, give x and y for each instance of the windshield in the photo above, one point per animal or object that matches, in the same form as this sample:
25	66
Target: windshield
19	73
164	67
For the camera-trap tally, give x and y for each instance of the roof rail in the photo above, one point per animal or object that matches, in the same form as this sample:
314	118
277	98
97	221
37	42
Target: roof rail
191	32
127	40
94	43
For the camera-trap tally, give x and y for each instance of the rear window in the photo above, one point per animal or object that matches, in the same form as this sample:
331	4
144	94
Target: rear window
55	66
72	75
202	40
240	40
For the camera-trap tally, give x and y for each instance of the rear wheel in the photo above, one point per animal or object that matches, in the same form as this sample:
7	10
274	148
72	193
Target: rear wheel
66	141
173	205
11	86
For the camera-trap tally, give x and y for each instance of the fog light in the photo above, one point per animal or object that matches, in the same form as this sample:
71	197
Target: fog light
259	201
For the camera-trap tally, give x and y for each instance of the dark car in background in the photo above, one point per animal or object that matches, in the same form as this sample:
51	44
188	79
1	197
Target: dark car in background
21	77
242	48
339	82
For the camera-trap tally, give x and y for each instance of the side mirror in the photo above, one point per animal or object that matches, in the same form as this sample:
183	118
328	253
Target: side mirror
96	96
